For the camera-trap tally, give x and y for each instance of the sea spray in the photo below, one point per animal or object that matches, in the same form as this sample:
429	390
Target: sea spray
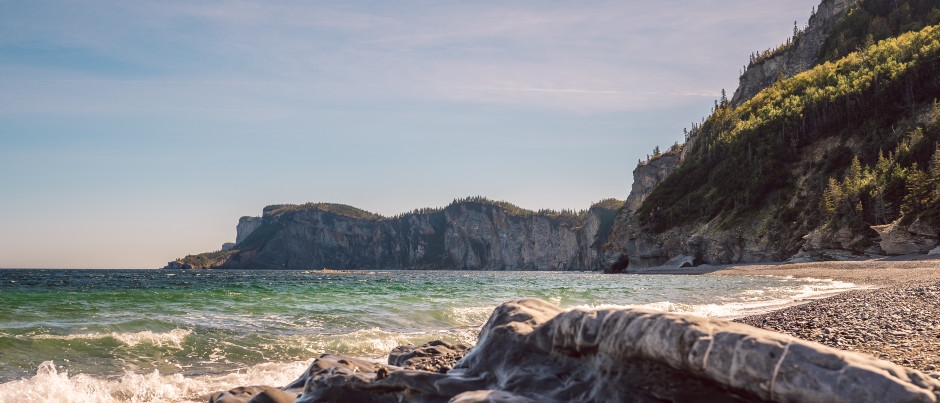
50	384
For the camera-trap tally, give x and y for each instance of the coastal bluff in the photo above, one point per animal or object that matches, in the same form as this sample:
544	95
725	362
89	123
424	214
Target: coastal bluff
532	351
469	234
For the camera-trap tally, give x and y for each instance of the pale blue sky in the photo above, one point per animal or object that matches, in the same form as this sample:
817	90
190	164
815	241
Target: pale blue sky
133	133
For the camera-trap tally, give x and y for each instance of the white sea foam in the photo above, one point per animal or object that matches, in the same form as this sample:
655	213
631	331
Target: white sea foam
172	339
368	342
749	302
51	385
470	316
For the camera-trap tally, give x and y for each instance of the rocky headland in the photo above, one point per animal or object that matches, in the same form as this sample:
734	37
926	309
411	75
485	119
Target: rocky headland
474	233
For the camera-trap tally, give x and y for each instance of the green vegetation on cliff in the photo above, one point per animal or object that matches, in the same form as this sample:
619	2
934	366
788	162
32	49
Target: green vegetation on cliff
338	209
566	217
891	189
761	158
870	21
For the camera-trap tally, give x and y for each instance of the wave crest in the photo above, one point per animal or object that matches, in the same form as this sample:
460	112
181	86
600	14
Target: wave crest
51	385
172	339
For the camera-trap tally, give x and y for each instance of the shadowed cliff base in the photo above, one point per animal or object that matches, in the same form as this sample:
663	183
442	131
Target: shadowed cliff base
530	350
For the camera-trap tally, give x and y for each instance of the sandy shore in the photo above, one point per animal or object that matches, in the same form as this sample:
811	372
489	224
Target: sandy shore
899	321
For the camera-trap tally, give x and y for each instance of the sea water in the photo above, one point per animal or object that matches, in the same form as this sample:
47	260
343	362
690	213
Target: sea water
178	336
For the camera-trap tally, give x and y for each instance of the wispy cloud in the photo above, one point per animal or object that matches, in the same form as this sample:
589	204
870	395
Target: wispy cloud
610	55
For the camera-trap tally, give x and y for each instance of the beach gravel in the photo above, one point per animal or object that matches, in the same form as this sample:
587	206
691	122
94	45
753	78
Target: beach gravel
898	323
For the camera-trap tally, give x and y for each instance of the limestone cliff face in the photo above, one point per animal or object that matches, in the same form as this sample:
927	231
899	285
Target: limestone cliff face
797	58
246	225
647	175
464	235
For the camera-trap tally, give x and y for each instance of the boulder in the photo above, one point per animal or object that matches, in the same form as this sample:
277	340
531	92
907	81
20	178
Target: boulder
917	238
531	350
434	356
254	394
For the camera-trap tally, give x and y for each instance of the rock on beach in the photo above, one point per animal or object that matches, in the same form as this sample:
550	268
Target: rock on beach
531	350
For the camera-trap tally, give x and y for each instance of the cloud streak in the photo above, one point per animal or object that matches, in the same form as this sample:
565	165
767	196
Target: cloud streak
419	50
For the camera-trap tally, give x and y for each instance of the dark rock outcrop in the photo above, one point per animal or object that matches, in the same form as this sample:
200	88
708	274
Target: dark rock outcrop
530	350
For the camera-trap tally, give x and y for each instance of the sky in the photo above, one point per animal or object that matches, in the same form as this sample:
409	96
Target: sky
133	133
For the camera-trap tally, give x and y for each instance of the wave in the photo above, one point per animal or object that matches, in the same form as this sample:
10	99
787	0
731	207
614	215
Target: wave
51	385
172	339
376	343
748	302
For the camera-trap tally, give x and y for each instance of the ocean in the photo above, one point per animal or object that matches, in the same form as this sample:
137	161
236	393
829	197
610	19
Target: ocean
178	336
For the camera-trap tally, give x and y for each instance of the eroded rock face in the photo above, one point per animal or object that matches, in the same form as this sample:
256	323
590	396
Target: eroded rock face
842	244
707	243
530	350
917	238
647	175
246	225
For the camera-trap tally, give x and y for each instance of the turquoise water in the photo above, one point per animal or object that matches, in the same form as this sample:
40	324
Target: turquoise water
152	335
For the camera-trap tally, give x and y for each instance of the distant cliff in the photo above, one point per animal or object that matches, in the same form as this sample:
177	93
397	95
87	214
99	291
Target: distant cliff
246	225
471	234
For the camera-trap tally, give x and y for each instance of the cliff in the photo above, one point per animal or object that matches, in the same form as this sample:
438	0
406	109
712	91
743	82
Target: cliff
834	158
647	175
246	225
471	234
800	54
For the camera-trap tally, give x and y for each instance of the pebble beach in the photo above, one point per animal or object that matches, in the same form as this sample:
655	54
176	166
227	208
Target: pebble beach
897	320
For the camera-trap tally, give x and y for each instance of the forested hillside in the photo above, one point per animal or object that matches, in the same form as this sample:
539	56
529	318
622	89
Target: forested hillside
850	143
